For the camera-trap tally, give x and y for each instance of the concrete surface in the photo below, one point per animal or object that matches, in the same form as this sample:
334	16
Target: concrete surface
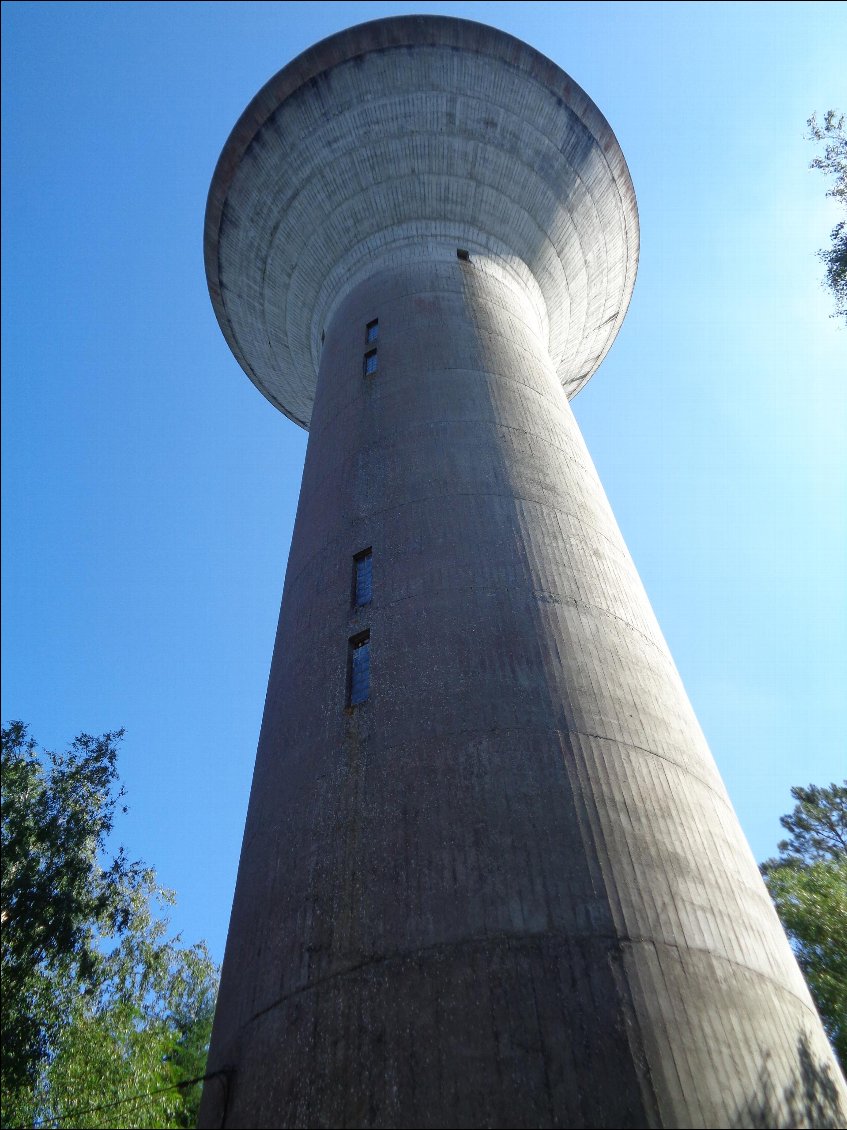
509	888
397	138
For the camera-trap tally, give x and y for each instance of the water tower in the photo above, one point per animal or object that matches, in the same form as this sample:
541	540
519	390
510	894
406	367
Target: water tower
490	874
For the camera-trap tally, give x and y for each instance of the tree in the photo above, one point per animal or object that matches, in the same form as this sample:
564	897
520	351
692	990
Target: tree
121	1058
833	162
808	884
98	1002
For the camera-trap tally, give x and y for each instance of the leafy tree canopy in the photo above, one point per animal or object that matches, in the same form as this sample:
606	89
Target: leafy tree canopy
808	884
833	162
98	1002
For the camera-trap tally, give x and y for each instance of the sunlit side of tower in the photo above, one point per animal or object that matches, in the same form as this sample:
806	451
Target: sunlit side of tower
490	874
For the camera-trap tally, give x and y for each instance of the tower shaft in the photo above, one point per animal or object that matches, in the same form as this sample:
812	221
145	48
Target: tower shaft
491	878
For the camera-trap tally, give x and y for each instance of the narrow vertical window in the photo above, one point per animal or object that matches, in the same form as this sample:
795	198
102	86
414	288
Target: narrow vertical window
360	668
372	331
370	362
362	587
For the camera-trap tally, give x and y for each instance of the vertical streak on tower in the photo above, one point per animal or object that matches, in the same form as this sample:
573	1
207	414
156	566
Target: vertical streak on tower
490	875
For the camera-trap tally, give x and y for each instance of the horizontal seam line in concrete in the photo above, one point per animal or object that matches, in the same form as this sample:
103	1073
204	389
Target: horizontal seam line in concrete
387	750
489	421
557	598
527	940
509	428
662	757
620	554
460	291
544	397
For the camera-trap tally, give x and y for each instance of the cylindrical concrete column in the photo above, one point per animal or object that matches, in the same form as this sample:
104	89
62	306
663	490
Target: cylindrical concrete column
507	888
490	875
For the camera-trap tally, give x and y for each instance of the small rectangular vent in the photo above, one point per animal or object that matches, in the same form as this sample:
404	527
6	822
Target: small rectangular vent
359	668
362	578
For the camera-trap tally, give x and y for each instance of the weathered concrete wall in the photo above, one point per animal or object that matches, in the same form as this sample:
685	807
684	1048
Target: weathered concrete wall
509	889
418	132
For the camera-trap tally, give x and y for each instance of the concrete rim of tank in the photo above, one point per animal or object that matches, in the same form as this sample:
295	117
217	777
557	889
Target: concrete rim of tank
279	368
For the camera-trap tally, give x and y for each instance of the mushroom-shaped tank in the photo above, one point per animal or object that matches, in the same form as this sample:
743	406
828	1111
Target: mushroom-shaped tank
406	138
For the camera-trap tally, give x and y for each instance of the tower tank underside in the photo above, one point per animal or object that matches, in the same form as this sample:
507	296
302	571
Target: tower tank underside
403	138
490	876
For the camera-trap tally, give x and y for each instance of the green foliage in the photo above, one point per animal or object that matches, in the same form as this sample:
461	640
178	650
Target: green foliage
140	1042
98	1003
833	162
808	884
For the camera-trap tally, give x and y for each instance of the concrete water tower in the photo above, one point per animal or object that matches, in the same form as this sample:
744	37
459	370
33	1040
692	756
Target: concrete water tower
490	874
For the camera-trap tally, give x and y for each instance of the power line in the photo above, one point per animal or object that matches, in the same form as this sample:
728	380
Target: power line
78	1113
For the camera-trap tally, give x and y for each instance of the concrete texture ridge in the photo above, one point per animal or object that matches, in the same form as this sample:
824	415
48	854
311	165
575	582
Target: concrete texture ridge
490	874
442	133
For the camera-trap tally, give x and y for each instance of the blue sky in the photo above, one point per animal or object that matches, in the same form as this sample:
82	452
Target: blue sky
149	489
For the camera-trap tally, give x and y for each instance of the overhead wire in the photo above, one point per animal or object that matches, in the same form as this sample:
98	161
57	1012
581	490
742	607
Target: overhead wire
81	1112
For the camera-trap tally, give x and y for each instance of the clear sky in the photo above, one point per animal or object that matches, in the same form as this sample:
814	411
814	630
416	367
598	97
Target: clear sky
149	489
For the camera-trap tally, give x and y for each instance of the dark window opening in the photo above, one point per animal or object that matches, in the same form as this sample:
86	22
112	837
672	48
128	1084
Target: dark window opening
372	331
359	668
362	578
462	254
370	363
